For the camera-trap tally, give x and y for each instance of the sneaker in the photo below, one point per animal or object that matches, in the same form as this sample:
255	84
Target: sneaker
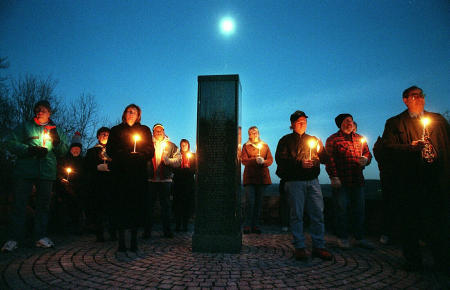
344	244
300	254
247	230
322	254
284	229
384	239
9	246
365	244
45	243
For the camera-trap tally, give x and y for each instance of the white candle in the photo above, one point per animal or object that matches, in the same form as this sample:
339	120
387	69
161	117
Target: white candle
425	122
312	143
68	169
363	140
259	146
136	138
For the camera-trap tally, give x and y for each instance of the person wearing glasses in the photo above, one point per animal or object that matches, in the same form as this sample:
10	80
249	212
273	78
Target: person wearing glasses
418	142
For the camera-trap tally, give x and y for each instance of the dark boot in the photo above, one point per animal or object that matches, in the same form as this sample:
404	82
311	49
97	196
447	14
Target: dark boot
122	247
133	242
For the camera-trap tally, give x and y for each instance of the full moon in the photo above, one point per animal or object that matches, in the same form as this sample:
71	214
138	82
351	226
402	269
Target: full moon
227	26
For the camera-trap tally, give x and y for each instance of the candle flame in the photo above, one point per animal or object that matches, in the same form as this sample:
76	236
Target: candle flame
425	121
363	140
68	169
259	146
312	143
46	136
189	155
318	147
136	137
163	145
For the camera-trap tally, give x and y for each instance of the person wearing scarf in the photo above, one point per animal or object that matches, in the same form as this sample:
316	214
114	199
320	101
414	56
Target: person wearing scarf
256	158
160	172
36	144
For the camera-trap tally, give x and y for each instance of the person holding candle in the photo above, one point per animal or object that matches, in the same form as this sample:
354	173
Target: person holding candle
422	164
129	171
302	185
160	172
256	158
69	205
35	166
349	155
99	186
184	187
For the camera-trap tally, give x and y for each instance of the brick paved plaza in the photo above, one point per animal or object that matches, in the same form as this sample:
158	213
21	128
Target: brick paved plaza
266	261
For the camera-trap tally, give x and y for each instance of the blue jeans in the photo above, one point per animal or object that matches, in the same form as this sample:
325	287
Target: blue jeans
306	195
22	192
349	207
161	191
253	198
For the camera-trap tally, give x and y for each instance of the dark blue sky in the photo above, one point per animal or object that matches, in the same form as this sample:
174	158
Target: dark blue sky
322	57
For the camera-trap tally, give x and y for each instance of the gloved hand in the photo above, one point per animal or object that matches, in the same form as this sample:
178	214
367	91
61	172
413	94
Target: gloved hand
37	151
259	160
55	137
335	182
102	167
363	160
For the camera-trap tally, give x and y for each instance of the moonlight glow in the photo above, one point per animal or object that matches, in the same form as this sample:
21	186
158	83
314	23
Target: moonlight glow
227	26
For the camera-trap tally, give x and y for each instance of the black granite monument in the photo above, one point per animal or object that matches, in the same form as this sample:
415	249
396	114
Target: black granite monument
217	222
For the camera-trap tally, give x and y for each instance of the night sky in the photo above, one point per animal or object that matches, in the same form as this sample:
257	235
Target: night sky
322	57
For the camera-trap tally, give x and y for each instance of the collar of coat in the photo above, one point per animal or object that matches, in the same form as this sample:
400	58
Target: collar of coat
255	144
50	125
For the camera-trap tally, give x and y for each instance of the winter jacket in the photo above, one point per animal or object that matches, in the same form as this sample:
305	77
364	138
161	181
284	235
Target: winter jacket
345	151
160	170
28	166
291	150
255	173
120	148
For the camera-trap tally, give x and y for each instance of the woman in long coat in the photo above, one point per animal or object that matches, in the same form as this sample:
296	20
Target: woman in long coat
130	147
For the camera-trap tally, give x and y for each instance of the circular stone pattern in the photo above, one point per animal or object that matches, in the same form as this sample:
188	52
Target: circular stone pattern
266	261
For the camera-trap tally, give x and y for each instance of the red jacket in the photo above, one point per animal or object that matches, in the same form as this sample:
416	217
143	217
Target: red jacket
253	172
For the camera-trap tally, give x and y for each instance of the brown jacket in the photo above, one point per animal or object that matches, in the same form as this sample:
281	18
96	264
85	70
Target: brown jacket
253	172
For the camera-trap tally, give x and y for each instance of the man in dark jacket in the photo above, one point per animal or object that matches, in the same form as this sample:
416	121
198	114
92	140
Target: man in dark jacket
160	173
421	154
298	157
36	143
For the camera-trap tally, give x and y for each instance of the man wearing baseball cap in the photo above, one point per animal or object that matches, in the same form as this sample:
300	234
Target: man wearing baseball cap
298	157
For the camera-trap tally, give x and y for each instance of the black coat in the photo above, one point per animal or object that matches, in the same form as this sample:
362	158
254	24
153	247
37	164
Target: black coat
129	170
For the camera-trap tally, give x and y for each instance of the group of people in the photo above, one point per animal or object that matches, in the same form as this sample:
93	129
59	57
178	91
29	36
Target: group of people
414	169
115	184
131	167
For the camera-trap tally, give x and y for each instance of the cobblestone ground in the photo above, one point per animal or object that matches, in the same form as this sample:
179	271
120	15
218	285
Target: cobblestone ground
266	261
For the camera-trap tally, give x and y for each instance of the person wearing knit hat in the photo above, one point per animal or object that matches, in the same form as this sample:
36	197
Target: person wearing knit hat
349	155
36	143
298	164
100	180
68	189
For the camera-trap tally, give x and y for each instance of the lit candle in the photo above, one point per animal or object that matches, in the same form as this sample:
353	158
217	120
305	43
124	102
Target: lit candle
312	143
45	136
259	146
425	122
189	155
136	138
363	140
68	169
